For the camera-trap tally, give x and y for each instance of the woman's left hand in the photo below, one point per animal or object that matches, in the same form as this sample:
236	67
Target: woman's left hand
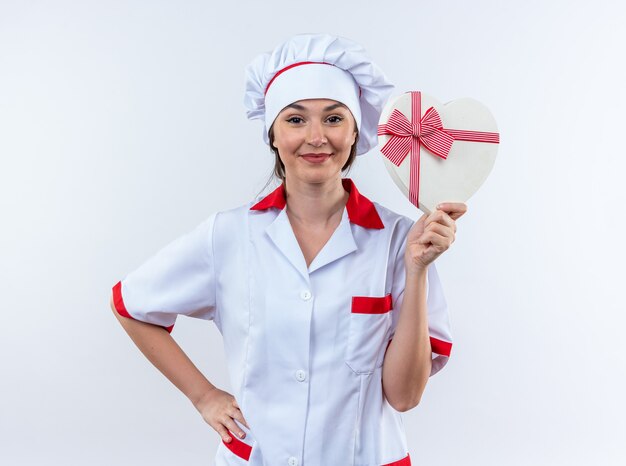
431	235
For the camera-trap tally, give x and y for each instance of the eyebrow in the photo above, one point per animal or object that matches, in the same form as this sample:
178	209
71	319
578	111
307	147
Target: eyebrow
326	109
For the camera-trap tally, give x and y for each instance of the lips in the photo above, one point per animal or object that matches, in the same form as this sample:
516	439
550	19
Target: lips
315	158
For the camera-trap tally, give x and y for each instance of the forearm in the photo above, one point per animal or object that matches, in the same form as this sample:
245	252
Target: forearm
167	356
408	359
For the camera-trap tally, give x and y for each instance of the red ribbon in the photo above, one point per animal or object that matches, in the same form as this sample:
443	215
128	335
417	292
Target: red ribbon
408	136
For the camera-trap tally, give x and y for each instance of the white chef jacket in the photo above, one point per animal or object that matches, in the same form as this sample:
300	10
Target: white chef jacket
304	345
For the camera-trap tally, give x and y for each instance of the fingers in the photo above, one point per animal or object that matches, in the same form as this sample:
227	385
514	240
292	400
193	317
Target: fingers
238	415
223	432
442	230
221	412
442	224
231	425
454	209
439	216
225	426
446	214
439	242
228	419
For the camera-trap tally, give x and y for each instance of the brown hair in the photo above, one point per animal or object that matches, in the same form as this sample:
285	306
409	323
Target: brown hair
279	166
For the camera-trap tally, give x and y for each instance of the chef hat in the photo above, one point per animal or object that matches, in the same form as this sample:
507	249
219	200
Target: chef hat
318	66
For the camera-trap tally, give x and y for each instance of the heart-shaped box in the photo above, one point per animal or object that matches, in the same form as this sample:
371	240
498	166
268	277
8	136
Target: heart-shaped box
445	155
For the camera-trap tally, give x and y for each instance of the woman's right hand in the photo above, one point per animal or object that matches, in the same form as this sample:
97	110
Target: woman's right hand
219	409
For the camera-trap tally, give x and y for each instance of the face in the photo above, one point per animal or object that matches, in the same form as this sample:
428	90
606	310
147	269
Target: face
314	138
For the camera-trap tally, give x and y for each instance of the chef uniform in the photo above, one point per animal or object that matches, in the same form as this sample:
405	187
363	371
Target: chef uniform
304	345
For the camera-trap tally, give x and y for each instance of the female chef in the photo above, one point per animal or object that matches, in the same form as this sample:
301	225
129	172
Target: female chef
329	304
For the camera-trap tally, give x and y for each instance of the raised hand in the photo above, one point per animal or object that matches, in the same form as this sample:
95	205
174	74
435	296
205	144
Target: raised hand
431	235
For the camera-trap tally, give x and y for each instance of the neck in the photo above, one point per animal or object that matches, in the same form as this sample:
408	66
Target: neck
315	203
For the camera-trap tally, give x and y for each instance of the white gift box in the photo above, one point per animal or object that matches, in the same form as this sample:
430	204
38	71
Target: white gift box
445	155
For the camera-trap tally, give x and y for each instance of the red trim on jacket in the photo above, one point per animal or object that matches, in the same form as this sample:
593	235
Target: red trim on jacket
239	448
120	307
440	347
274	199
371	304
118	301
406	461
361	210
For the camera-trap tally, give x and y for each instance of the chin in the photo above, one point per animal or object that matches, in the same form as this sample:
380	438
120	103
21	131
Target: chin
323	177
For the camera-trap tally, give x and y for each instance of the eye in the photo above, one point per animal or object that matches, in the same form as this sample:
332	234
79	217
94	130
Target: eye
294	119
335	119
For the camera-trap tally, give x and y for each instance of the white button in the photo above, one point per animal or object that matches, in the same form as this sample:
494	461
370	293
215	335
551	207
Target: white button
300	375
305	295
293	461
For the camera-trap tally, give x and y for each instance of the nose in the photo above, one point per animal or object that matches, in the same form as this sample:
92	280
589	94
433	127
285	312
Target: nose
316	136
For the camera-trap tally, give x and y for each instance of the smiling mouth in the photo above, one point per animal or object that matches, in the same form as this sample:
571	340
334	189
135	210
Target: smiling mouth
316	158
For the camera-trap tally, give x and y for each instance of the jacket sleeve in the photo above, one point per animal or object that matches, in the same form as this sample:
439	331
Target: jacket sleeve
438	316
178	279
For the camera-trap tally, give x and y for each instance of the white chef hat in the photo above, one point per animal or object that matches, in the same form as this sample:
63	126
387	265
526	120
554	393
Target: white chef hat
318	66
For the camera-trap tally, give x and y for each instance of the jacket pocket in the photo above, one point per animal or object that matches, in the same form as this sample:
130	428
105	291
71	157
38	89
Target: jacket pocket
240	448
405	461
370	319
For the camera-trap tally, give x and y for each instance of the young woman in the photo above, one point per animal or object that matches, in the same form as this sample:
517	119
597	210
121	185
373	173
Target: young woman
330	306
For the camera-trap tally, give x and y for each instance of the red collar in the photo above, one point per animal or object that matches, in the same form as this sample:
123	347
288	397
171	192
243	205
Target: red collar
360	209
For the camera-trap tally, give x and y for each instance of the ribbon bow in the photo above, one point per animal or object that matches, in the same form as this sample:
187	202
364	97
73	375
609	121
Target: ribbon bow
408	136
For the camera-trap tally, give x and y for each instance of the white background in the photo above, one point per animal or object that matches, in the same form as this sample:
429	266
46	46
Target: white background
122	127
